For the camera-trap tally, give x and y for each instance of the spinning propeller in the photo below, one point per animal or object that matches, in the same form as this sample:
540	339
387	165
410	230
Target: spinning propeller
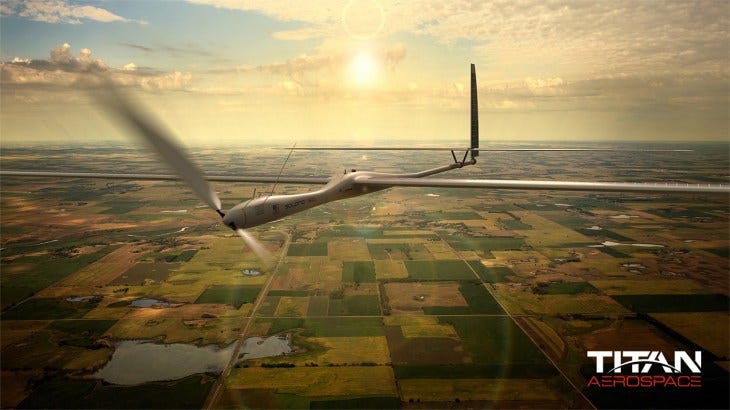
174	156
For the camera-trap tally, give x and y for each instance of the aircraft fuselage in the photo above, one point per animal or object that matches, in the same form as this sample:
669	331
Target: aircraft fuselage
261	210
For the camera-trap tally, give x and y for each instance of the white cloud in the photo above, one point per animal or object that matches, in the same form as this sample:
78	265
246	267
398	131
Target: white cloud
172	81
61	54
65	71
566	38
58	11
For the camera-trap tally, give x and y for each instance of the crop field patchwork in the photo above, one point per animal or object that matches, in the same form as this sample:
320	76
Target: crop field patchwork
405	298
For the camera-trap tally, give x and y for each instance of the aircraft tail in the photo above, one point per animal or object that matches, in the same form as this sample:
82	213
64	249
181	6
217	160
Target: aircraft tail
474	114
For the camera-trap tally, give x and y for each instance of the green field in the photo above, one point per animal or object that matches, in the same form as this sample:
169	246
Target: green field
484	246
43	272
358	272
229	295
674	303
49	308
339	327
404	298
564	288
439	270
308	249
491	274
495	340
355	305
67	393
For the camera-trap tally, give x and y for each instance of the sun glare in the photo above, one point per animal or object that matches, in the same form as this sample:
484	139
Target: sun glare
364	68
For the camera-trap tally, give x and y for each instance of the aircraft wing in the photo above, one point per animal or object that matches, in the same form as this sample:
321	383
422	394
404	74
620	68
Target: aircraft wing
546	185
482	149
409	182
166	177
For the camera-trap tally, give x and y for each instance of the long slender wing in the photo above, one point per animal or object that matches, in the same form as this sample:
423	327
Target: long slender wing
412	182
164	177
545	185
484	149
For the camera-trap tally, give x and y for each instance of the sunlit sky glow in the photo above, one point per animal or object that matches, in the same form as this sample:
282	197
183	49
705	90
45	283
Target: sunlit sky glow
359	72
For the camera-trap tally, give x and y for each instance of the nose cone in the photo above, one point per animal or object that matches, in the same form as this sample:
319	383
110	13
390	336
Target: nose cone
236	217
228	220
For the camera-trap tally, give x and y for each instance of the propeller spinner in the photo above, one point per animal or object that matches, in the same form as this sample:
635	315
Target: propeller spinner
176	158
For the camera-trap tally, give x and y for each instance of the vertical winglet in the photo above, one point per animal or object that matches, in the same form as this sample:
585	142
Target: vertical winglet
474	113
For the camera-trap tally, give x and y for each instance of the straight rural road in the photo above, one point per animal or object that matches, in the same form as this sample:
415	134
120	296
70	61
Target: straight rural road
220	382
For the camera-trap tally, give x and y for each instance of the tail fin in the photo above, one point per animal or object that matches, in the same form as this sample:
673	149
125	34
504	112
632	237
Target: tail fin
474	114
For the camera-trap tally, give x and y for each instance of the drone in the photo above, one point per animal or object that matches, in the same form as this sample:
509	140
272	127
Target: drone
264	209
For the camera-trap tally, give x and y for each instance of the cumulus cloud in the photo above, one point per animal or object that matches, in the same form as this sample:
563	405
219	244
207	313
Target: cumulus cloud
63	69
172	81
58	11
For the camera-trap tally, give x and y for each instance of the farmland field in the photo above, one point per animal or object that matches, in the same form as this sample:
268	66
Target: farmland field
408	297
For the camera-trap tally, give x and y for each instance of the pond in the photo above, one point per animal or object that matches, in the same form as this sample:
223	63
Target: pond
142	361
145	302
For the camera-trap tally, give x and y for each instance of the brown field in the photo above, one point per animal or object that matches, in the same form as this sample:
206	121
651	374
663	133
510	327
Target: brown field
390	269
105	269
625	335
222	332
651	286
69	291
440	390
292	306
348	249
315	273
404	297
521	300
407	232
522	262
15	386
317	381
89	359
351	350
186	312
389	209
440	250
546	233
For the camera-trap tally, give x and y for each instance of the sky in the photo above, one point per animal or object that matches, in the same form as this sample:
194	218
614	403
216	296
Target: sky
362	72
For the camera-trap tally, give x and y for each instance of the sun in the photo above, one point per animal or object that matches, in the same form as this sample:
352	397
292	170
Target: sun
364	69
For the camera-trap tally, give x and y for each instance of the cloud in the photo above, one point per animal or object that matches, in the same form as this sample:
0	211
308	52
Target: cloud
64	70
59	11
171	81
568	37
394	55
188	49
334	61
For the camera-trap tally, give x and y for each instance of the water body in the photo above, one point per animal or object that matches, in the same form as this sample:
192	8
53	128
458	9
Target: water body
142	361
623	216
80	298
251	272
640	245
149	303
257	347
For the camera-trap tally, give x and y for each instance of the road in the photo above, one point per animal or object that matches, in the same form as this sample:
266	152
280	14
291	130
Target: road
212	398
